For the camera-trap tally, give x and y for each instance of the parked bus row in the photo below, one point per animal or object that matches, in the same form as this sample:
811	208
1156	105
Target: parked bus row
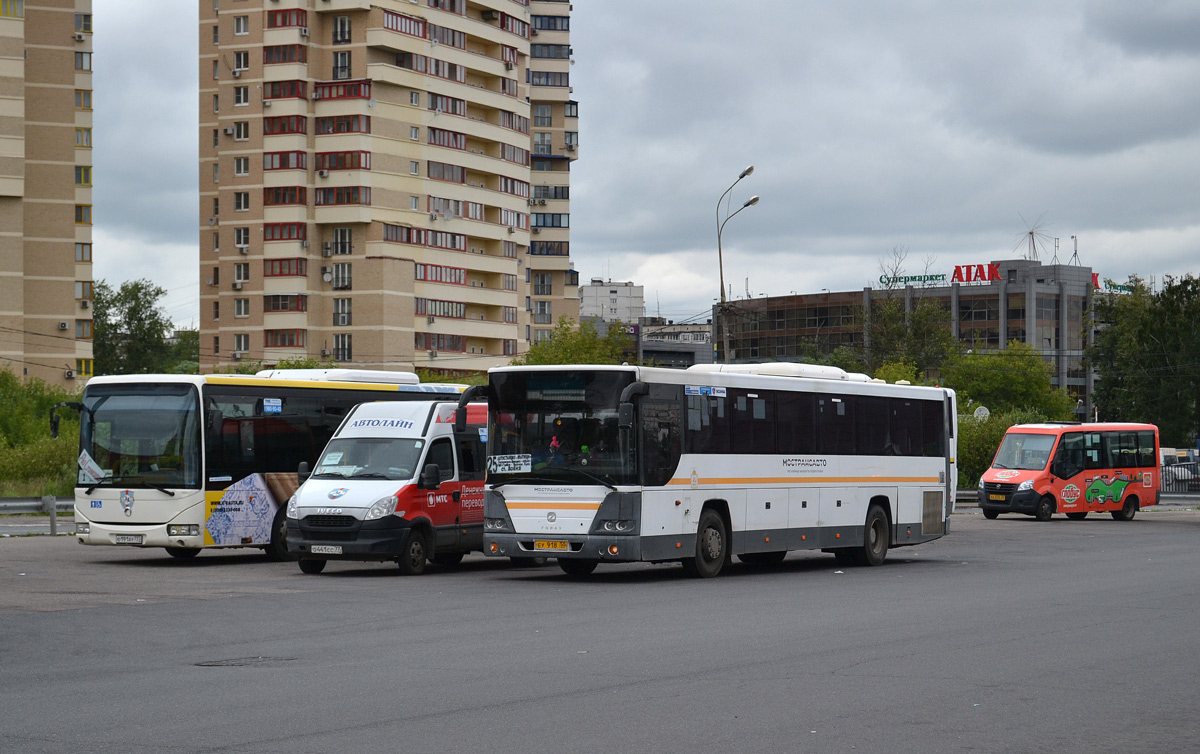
584	464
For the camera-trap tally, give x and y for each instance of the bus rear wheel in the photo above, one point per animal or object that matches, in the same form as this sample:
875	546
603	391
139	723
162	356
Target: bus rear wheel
712	547
312	566
1128	511
183	553
414	555
1045	509
876	539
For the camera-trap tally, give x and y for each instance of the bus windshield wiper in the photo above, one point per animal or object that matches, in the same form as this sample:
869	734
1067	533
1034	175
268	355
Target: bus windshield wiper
368	475
594	477
329	474
128	479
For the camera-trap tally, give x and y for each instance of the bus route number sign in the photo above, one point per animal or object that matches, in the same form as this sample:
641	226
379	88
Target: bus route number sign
514	464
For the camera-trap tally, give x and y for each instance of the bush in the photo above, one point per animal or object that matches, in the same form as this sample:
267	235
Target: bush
32	464
979	440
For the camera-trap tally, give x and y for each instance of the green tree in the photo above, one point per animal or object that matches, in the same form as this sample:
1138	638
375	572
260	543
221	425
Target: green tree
978	440
185	353
1008	380
129	328
1147	357
569	344
894	371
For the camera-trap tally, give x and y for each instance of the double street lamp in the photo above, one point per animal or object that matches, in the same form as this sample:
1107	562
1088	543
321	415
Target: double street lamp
722	309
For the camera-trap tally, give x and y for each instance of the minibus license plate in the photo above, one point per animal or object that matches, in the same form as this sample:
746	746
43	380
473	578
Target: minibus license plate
128	539
550	544
994	496
326	549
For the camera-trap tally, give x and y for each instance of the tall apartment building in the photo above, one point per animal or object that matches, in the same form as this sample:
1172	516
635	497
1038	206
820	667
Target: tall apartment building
384	183
612	301
45	188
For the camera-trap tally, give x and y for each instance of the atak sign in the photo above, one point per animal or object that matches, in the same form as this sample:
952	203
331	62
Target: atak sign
963	273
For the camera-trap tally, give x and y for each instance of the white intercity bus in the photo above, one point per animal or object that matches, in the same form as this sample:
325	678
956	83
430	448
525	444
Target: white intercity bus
602	464
187	462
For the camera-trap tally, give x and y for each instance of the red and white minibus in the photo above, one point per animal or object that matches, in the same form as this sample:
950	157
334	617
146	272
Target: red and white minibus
1076	469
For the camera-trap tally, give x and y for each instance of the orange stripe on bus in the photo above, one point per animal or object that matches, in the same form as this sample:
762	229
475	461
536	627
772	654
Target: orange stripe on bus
686	481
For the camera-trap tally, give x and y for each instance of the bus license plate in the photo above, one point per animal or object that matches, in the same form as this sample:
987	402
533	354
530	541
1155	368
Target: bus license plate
128	539
326	549
994	496
550	544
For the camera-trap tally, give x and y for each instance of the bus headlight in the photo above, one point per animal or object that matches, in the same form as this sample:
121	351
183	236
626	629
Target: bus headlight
83	528
620	526
293	508
495	524
1026	485
382	507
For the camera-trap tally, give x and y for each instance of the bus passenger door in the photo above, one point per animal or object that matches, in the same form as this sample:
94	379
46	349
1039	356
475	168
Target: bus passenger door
1066	482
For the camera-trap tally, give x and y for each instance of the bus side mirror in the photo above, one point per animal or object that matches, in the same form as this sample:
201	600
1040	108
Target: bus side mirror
431	477
625	416
302	473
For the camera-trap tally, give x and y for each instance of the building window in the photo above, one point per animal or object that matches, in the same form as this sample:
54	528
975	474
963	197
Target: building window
285	303
542	143
285	54
216	34
241	25
543	284
551	23
83	175
344	124
414	202
241	60
83	328
341	65
241	166
216	238
551	220
241	130
83	252
341	30
414	99
274	268
543	116
341	276
341	312
414	133
241	342
291	89
83	290
342	241
551	52
549	78
216	339
541	312
83	99
285	232
442	104
571	138
285	338
83	22
241	236
83	61
83	214
342	347
343	160
414	168
441	171
216	310
241	96
241	272
85	367
241	307
275	196
287	124
285	160
277	19
241	201
83	138
571	110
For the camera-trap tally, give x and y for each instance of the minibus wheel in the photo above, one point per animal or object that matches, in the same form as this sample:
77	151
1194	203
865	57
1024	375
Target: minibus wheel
990	515
312	566
1045	508
1128	511
1077	516
415	553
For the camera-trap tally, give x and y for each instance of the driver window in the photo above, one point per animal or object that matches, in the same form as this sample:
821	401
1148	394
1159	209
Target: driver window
441	452
1069	458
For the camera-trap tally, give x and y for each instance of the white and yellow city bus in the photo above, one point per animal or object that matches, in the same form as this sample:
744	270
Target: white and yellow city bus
595	464
187	462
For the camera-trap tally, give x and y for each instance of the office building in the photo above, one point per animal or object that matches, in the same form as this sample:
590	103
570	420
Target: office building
612	301
1046	306
45	189
384	184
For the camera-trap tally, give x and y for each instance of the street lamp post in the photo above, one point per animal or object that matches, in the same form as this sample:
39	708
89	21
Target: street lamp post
723	307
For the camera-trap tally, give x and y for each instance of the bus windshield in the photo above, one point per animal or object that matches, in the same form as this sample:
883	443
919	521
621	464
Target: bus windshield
370	458
559	426
140	436
1028	452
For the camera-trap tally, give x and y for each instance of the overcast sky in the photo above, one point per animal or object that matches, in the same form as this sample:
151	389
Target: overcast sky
944	127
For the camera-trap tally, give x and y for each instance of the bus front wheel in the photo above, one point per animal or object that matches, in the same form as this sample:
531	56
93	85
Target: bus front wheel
712	547
312	566
1128	511
576	567
1045	509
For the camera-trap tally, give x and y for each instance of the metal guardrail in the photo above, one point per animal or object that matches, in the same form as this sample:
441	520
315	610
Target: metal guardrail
12	505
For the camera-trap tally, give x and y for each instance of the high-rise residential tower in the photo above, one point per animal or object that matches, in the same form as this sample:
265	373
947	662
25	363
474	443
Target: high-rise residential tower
384	183
45	188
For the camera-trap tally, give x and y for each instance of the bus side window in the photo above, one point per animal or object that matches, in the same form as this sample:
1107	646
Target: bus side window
441	452
1068	461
